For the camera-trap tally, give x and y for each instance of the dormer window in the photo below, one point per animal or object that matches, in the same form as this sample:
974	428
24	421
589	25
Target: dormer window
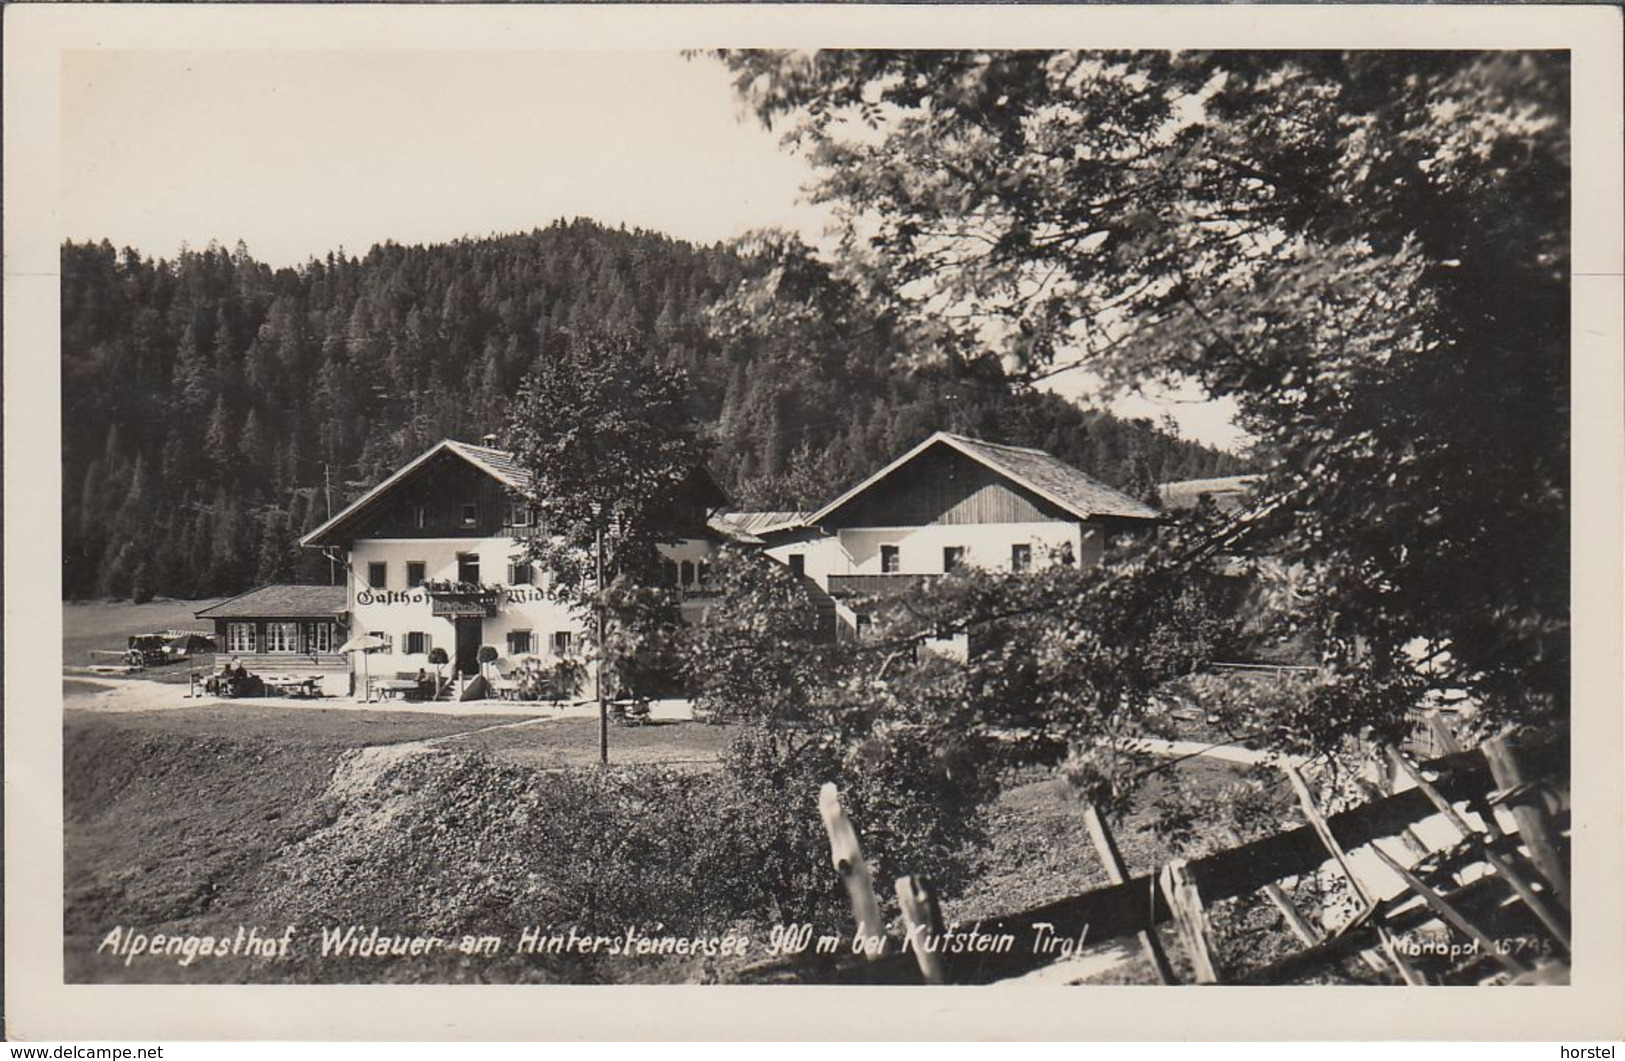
471	515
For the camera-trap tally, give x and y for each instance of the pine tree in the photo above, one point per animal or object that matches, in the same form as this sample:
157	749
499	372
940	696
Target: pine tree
192	380
220	440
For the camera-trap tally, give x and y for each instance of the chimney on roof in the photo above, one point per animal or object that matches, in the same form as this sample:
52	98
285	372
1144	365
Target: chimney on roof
489	440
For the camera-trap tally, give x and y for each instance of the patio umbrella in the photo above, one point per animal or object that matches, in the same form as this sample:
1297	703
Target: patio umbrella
364	644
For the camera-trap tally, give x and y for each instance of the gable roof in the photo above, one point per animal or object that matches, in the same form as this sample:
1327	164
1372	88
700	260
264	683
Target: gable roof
1045	475
499	464
478	456
280	602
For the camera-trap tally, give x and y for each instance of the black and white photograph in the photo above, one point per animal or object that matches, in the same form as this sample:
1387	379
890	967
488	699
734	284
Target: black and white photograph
874	515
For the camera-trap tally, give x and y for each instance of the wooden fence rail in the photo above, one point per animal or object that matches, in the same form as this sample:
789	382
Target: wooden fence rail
1132	907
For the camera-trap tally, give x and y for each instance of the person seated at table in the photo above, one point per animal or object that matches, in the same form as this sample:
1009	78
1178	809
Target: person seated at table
221	684
426	684
238	681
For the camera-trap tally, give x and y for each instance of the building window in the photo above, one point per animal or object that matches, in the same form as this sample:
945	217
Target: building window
688	572
952	556
798	564
414	574
319	637
891	560
240	637
420	517
519	643
468	568
418	643
377	574
1021	557
866	626
703	570
563	642
520	515
282	638
521	573
471	515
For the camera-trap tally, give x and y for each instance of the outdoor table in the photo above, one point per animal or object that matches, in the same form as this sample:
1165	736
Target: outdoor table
399	688
293	685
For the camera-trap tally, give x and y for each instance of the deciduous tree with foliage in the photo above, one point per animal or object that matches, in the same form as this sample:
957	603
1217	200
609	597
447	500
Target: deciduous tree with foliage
915	764
608	441
1368	252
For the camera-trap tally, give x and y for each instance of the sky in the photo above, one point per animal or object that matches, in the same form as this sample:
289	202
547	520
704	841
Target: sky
297	153
301	153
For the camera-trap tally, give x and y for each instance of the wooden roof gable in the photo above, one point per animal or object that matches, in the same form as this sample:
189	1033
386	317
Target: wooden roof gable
1032	470
498	464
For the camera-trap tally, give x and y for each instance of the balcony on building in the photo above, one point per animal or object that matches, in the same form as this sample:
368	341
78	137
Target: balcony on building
462	600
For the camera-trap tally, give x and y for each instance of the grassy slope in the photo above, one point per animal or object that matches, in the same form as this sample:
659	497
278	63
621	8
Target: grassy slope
173	815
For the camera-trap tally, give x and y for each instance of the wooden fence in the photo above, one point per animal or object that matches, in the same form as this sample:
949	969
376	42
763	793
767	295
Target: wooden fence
1527	870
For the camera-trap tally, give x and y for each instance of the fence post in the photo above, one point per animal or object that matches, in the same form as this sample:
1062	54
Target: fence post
1507	871
923	922
1185	900
1106	849
1443	735
847	855
1529	812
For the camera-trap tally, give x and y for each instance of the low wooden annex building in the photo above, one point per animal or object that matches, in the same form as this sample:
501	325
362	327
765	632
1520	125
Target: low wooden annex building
275	627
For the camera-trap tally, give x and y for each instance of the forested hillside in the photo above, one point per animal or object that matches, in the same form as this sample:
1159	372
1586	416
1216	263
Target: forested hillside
213	407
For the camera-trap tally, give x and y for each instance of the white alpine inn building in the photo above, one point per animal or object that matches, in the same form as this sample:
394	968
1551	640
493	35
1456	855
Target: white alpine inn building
950	500
433	557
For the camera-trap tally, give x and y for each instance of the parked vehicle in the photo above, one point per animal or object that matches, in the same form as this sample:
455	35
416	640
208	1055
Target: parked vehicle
166	646
147	650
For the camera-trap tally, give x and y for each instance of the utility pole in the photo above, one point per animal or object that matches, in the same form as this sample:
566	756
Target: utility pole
327	488
598	673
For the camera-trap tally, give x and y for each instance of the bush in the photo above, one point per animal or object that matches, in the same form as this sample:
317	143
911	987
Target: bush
455	843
